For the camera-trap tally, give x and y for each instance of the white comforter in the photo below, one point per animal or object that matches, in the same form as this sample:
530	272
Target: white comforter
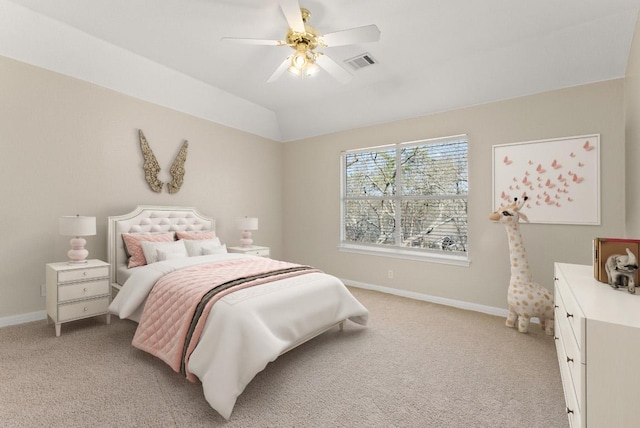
248	328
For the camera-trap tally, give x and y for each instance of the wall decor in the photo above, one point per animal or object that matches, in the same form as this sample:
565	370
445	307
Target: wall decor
560	176
152	167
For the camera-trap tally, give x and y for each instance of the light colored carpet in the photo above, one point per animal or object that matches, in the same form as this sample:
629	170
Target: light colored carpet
416	364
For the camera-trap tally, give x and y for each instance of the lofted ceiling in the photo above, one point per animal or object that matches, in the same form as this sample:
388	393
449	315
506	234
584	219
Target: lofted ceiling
433	55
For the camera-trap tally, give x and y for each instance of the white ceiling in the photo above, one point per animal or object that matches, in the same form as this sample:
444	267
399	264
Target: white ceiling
433	55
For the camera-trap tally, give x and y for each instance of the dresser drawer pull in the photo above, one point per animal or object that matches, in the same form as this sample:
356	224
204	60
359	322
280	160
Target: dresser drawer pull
86	309
569	360
569	315
85	289
569	411
555	278
556	338
84	273
556	306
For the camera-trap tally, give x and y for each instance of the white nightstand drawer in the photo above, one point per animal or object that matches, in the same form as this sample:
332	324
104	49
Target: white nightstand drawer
82	290
263	252
82	274
83	309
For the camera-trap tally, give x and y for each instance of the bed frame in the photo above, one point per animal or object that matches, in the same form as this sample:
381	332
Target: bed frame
149	219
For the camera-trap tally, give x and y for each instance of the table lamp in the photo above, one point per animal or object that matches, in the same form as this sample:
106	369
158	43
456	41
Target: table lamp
77	226
246	224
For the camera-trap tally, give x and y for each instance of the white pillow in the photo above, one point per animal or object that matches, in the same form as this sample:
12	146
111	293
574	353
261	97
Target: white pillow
217	249
168	255
150	249
194	247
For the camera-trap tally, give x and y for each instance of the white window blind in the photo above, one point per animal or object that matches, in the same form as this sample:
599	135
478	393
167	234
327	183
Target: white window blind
410	196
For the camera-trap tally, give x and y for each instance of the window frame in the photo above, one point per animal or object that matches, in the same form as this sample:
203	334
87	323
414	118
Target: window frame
396	250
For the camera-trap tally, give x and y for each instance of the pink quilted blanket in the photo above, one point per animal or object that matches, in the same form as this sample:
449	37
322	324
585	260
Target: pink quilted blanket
177	307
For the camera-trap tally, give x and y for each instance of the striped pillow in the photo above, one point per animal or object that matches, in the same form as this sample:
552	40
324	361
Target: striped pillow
134	247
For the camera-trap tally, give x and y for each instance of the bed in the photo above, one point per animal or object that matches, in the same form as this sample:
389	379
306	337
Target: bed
212	315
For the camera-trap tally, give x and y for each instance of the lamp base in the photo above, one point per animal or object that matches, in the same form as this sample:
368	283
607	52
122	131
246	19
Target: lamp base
77	254
246	240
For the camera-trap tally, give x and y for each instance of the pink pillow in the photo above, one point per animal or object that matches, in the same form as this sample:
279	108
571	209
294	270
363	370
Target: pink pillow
192	236
134	248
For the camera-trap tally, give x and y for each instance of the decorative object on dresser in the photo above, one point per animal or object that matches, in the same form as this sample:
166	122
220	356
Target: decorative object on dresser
246	224
77	291
77	226
152	167
603	248
598	342
252	250
526	298
621	270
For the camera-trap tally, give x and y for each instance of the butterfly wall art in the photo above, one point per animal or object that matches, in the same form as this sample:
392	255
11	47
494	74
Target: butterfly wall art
561	178
152	167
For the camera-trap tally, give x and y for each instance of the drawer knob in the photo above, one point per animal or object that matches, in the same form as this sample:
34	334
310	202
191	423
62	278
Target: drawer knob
569	411
85	289
555	278
555	338
84	273
556	306
569	315
569	360
86	309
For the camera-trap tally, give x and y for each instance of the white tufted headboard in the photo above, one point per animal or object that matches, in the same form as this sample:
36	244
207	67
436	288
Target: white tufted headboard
149	218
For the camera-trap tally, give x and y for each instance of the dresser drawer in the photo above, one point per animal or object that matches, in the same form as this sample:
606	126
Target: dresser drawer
567	309
263	252
86	308
573	409
82	274
83	290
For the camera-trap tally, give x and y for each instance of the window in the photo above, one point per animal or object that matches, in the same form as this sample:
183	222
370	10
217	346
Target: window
407	200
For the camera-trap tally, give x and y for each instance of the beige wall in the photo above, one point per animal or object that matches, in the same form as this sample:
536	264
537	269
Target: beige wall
312	193
71	147
632	127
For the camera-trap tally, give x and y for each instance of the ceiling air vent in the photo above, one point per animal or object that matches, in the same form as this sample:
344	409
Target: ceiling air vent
361	61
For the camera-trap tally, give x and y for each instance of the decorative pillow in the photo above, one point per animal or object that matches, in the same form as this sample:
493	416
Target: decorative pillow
168	255
217	249
134	248
196	235
150	249
194	247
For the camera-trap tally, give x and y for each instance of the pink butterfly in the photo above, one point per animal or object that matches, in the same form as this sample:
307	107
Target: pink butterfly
588	147
577	179
573	155
555	164
580	164
507	161
549	184
540	169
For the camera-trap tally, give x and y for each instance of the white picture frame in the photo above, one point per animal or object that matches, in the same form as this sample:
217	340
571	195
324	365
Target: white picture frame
560	176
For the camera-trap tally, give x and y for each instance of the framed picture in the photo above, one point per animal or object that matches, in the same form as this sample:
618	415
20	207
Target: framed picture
560	176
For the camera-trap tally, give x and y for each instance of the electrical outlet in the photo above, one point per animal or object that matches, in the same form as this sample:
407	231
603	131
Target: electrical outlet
43	290
390	274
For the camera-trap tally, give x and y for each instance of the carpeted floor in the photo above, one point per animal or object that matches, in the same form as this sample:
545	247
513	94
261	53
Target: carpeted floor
416	364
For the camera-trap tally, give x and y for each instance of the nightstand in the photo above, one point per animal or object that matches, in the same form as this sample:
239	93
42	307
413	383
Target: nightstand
76	291
253	250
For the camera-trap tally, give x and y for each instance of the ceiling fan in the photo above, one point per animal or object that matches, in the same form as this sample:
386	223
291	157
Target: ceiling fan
304	40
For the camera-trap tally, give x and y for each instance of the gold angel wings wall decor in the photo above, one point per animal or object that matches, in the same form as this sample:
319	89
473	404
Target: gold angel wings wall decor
152	167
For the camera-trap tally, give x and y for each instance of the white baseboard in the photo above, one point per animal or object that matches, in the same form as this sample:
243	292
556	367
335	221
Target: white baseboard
23	318
433	299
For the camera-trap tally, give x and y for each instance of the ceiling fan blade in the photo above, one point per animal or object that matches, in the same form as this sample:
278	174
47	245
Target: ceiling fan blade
281	68
291	10
332	67
368	33
254	41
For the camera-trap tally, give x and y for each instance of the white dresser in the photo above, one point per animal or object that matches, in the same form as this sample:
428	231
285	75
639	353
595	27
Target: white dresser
77	291
597	332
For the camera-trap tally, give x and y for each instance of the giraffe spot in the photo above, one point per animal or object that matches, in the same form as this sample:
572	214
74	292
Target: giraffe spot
530	296
525	303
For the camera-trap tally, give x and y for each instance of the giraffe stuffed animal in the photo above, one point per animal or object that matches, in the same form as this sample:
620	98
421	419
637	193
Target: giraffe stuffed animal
526	298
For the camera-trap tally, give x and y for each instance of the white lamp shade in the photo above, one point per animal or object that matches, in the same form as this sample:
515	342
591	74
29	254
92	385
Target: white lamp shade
77	225
247	223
